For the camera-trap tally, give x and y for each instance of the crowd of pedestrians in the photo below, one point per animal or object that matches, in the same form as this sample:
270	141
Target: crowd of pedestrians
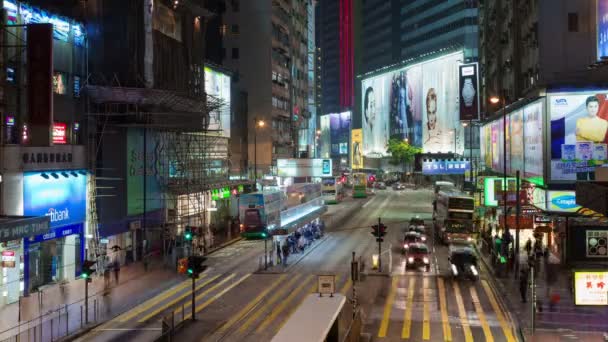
299	240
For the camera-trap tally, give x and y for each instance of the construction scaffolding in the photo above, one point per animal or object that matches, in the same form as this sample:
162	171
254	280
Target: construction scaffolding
188	158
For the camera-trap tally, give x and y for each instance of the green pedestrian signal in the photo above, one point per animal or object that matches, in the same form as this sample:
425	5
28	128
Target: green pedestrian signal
88	268
188	234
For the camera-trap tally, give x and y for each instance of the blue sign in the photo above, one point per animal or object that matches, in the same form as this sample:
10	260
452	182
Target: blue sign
445	167
602	29
62	199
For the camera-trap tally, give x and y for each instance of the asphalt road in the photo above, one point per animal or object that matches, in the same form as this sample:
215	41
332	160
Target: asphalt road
236	303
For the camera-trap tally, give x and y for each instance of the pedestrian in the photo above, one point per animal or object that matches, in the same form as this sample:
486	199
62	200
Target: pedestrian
116	267
528	246
278	252
553	301
523	285
285	254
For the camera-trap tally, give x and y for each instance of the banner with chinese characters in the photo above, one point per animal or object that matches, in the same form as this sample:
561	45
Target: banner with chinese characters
591	287
445	167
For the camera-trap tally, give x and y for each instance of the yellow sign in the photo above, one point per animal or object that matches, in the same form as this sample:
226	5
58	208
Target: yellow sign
356	154
591	288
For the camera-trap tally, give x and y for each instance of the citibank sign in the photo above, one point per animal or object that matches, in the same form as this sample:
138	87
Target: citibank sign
62	199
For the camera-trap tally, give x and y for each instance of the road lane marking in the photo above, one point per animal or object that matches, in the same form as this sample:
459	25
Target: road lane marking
218	295
387	308
154	301
272	300
445	320
251	305
407	318
277	310
346	286
499	314
426	316
464	322
174	301
291	310
480	314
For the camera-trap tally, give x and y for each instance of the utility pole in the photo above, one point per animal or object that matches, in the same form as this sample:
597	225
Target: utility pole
517	212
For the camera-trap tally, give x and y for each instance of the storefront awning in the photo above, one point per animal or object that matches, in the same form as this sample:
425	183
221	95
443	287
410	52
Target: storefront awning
19	227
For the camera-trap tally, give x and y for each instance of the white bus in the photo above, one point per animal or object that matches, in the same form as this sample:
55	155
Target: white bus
317	319
453	216
332	190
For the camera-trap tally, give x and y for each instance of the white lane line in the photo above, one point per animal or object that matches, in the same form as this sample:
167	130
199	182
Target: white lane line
370	201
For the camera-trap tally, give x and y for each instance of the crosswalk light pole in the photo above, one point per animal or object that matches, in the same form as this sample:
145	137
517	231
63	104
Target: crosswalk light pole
379	246
193	298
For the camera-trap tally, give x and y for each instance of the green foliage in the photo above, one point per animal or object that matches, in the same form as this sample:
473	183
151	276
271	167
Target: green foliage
401	151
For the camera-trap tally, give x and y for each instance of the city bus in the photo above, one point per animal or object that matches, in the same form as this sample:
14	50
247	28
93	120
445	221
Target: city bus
359	185
453	216
317	319
332	190
260	212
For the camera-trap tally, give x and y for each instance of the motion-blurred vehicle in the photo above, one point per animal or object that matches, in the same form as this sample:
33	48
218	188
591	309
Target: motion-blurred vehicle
411	238
418	255
416	224
380	185
463	262
398	186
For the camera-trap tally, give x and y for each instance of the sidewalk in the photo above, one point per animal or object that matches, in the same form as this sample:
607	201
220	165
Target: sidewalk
62	313
565	319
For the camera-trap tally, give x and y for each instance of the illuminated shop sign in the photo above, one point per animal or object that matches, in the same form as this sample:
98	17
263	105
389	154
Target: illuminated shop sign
61	196
562	201
445	167
60	133
304	167
591	288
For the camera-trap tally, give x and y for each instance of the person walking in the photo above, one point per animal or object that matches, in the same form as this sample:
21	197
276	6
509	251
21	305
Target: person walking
278	252
523	285
116	267
528	246
285	254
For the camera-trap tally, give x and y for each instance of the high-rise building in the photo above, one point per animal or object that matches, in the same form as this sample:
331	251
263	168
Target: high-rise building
265	44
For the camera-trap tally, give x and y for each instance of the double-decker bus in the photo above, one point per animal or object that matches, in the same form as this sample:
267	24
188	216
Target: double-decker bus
332	190
453	216
260	212
359	185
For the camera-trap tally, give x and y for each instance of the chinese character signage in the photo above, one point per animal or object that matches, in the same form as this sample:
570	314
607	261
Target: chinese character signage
591	288
59	133
445	167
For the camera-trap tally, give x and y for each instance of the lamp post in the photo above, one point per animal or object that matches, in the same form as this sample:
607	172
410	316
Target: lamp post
260	124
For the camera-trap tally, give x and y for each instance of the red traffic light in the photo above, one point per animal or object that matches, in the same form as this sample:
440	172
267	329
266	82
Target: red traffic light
379	230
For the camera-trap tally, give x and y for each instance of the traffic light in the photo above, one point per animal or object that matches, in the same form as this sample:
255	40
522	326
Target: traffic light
182	265
188	233
379	230
195	265
88	268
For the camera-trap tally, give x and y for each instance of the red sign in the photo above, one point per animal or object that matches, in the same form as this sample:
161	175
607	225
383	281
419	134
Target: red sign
59	133
8	259
525	222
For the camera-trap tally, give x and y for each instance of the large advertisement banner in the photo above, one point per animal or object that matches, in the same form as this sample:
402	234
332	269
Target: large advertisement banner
579	123
516	139
62	199
418	103
217	84
324	139
533	140
602	29
356	149
339	125
140	165
469	92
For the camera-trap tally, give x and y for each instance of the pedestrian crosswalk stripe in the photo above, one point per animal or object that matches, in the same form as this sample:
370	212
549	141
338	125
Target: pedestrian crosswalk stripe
312	289
480	314
277	310
154	301
407	320
174	301
219	294
426	316
464	322
251	304
445	320
268	303
387	308
499	314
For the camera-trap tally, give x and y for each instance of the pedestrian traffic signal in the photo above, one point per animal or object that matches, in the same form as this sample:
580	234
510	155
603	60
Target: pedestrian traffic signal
379	230
188	233
88	268
182	265
195	265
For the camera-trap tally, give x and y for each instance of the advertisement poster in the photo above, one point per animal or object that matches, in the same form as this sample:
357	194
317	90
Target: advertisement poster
63	199
591	287
324	140
496	145
533	141
602	29
418	103
562	201
469	92
136	172
339	125
516	147
579	122
356	149
217	84
486	145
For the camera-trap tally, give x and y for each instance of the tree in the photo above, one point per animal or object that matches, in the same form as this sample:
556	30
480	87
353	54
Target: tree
401	151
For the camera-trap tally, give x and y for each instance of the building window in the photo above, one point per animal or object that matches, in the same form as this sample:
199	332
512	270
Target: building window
223	29
235	53
572	22
235	29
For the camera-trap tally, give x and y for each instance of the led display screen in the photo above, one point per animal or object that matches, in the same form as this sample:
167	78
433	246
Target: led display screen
339	125
217	84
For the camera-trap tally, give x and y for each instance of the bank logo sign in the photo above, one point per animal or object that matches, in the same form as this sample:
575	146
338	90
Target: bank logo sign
63	199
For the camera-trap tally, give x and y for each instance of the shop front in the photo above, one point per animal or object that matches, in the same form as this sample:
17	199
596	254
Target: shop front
588	243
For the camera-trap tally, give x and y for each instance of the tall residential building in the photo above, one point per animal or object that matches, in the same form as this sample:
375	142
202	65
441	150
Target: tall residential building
266	46
518	52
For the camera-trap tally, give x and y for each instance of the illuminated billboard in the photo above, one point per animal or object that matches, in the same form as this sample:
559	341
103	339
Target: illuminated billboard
304	167
62	199
579	127
339	125
591	287
217	84
356	152
602	29
418	103
324	139
564	201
